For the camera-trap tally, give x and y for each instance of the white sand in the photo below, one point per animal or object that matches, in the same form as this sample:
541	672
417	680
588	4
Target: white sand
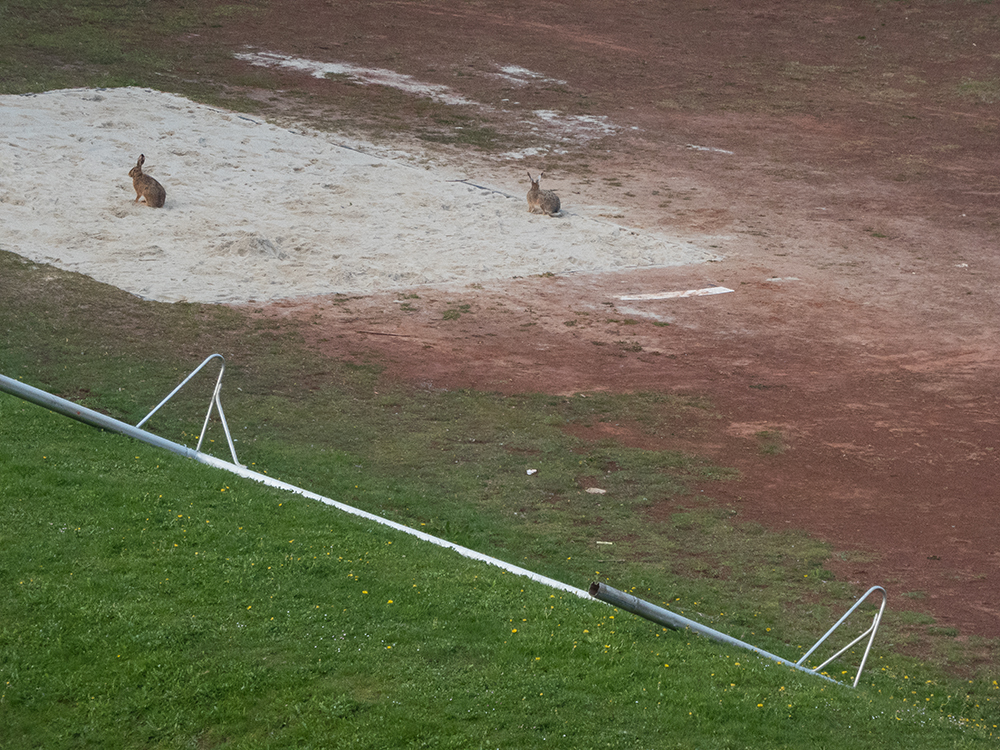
259	212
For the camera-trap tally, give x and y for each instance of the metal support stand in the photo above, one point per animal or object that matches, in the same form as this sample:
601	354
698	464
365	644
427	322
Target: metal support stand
871	630
216	401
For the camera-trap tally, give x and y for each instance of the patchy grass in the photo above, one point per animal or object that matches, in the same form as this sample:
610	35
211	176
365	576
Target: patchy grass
770	442
982	92
152	602
50	44
453	463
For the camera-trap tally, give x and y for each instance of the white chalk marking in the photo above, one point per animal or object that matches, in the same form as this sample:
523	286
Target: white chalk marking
709	149
522	76
576	128
676	295
379	76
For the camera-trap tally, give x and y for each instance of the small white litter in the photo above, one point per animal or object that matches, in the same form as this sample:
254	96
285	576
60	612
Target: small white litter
596	491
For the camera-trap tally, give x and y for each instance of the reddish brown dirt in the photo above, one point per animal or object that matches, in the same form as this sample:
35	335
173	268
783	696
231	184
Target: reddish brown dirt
856	217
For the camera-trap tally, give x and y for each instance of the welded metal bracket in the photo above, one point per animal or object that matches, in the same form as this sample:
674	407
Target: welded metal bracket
870	632
215	402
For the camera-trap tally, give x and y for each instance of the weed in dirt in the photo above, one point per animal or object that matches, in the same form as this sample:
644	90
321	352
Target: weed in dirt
770	442
982	92
482	137
454	312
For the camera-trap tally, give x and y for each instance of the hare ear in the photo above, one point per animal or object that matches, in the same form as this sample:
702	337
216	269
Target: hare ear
530	177
142	160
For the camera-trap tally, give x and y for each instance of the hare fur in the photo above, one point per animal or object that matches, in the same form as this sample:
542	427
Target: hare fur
146	187
544	200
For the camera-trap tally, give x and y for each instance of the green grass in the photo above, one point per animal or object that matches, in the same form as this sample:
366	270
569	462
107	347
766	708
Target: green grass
152	602
770	442
113	636
58	44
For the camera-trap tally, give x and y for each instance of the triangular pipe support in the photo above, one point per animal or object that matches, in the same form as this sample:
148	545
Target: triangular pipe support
215	402
870	632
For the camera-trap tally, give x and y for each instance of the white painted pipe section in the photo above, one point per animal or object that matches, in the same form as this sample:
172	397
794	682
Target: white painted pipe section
463	551
96	419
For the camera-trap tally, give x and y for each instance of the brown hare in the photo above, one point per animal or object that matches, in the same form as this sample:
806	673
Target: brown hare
146	187
544	200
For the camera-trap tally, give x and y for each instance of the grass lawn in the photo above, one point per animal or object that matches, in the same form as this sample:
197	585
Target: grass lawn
149	601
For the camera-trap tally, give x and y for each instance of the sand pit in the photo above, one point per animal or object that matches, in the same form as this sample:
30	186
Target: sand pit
260	212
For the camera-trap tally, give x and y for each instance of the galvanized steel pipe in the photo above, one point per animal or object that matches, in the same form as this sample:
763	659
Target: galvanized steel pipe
91	417
674	621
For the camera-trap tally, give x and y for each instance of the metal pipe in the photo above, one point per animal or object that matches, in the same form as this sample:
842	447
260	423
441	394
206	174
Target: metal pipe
674	621
104	422
89	416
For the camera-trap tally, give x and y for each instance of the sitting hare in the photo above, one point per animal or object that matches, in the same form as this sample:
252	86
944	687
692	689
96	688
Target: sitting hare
545	200
146	187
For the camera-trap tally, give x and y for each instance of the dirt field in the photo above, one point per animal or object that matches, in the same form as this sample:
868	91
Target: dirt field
845	154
